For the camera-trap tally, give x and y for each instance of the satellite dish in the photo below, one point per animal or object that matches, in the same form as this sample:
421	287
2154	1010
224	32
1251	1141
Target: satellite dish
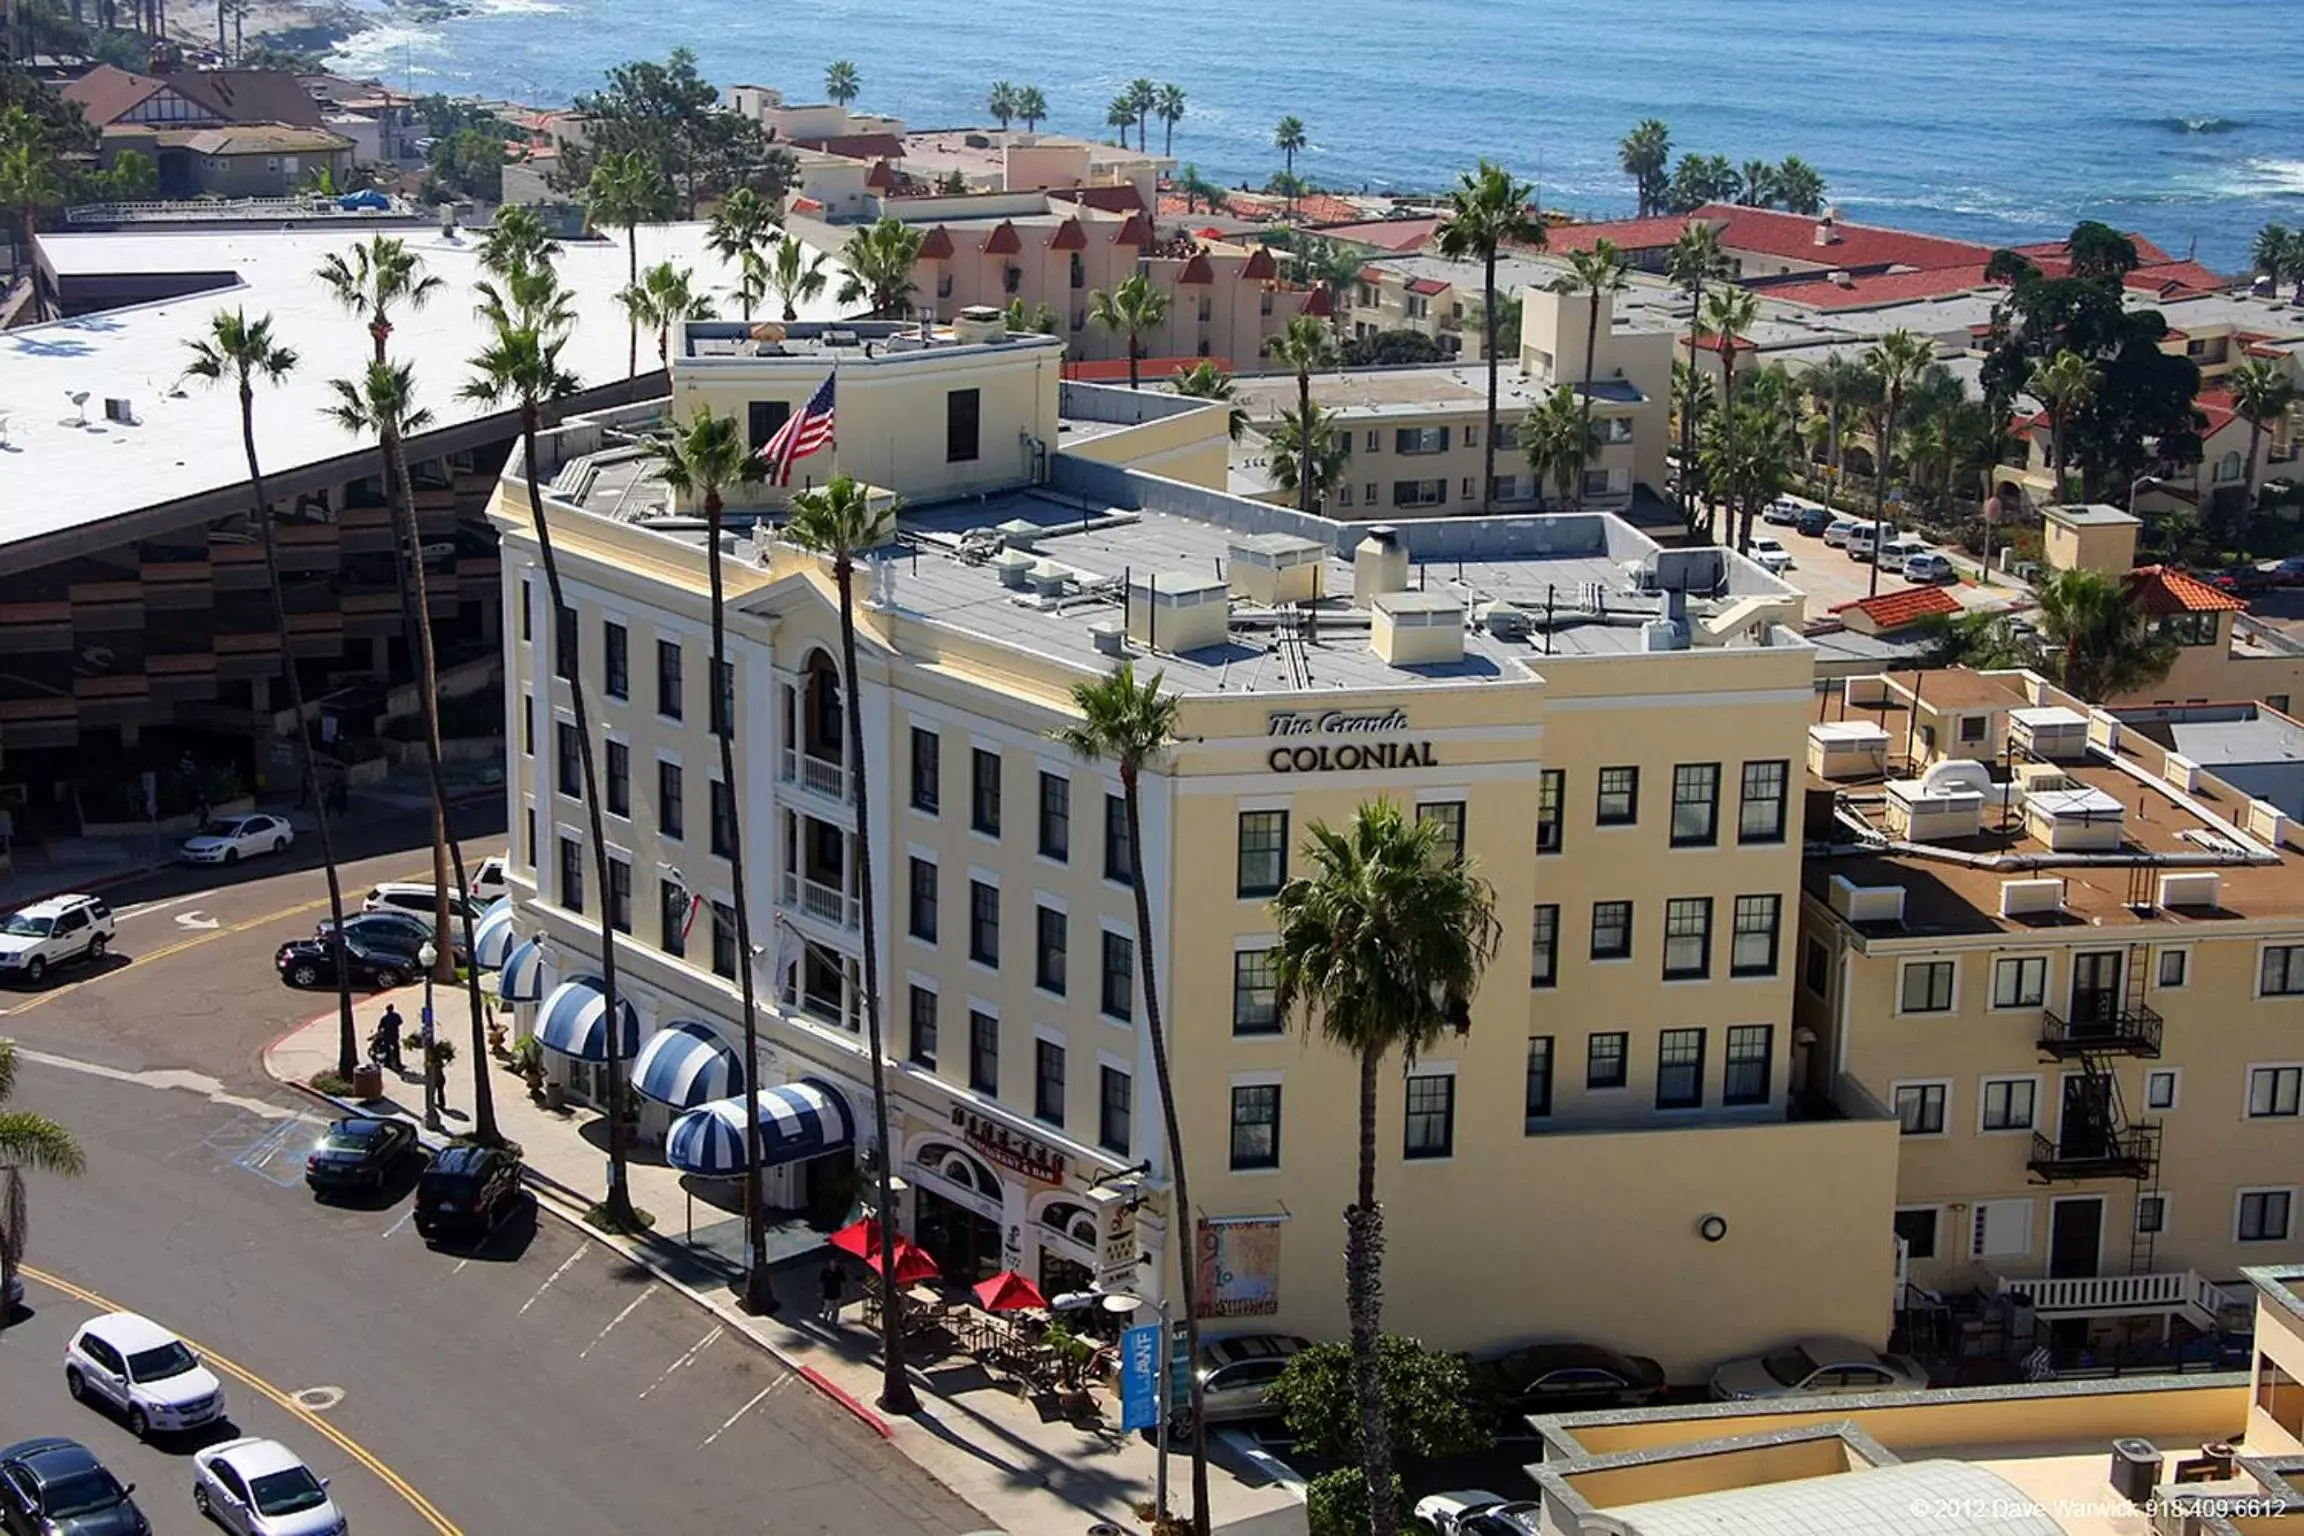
79	399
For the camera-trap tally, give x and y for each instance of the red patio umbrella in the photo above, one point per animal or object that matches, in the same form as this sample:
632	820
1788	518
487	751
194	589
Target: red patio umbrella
862	1239
1009	1291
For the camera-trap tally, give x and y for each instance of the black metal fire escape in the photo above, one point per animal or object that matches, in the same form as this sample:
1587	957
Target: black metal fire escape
2095	1138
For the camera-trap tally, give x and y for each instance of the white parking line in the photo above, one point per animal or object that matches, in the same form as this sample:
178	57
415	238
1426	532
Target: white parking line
405	1217
747	1408
700	1346
619	1317
566	1265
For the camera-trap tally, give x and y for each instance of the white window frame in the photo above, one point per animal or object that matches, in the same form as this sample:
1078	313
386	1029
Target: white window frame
1992	1001
2256	982
1983	1095
2239	1198
1942	1227
2248	1090
2175	1076
1952	1003
1900	1085
1980	1222
2159	958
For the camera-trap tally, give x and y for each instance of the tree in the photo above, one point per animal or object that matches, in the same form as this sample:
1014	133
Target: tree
239	352
1596	273
796	275
1133	725
880	259
625	191
841	82
1311	453
1701	179
1170	110
1198	190
517	239
1032	107
1695	259
1132	308
698	462
1205	381
752	281
1835	384
1556	437
29	186
1643	154
2278	256
1288	138
1329	264
2262	394
1759	184
1381	946
467	164
839	522
1488	208
1728	314
2097	250
27	1140
1428	1401
1750	449
2061	383
1142	97
1002	104
1798	186
743	226
952	184
1336	1504
664	297
1121	114
1898	358
2097	639
1302	347
670	116
1391	349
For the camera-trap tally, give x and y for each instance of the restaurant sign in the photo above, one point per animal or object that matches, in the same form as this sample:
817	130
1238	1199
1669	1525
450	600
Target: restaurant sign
1011	1149
1330	739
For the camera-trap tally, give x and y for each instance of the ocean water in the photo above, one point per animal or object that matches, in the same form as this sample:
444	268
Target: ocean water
1980	118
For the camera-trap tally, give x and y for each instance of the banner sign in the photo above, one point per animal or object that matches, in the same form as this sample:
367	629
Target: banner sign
1140	1377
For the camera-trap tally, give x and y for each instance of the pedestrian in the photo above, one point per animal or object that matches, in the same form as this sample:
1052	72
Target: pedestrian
833	1282
388	1032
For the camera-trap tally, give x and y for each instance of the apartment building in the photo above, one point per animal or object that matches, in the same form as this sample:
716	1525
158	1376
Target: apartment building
1447	300
1607	1152
2057	943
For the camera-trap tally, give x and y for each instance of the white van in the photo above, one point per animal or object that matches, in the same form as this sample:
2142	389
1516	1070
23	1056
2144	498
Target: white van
1897	551
415	898
1862	540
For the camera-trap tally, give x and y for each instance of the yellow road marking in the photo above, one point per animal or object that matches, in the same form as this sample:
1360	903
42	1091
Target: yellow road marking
384	1474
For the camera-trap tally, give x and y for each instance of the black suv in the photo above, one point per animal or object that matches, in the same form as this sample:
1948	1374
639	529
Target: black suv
466	1189
56	1487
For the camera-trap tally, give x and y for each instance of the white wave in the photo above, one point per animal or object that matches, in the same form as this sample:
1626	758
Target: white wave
2263	176
387	48
517	8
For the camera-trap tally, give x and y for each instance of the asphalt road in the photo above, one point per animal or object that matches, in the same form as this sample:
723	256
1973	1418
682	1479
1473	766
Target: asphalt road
535	1383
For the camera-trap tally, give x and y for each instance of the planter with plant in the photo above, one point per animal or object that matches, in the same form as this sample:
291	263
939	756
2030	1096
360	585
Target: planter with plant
526	1061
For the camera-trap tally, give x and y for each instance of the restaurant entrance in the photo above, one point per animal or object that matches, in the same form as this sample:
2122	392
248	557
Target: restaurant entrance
966	1246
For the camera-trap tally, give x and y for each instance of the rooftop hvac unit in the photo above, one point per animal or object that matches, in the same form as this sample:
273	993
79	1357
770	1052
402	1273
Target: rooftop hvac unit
1048	579
2200	889
1506	622
2019	898
2135	1470
1109	637
1663	635
1016	533
119	410
1015	568
1867	903
2053	732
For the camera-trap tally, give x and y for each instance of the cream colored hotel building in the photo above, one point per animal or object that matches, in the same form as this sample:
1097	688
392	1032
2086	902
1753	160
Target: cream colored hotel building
1638	1141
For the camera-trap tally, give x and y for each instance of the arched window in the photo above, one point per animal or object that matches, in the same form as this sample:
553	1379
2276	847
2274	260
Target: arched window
959	1168
823	725
1073	1221
2228	467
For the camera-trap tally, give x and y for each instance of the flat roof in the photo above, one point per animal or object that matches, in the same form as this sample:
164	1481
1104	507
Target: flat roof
2094	514
1362	394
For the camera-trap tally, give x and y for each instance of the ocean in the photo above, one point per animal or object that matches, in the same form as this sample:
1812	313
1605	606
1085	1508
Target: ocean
1985	119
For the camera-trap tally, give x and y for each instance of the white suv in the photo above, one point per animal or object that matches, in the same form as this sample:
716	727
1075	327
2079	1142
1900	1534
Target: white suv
144	1371
54	932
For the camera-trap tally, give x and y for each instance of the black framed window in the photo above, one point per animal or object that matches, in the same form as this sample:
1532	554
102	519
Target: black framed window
1538	1106
1119	853
1605	1059
616	659
1619	797
527	608
984	792
1917	1226
1544	950
1115	1110
927	770
923	1045
1118	992
724	940
668	679
1695	805
1255	1126
722	707
619	895
983	923
1550	789
671	917
1927	987
983	1052
1680	1069
619	779
1448	817
2275	1093
1751	1055
528	724
1255	993
1050	940
723	819
922	922
2281	973
1611	930
963	409
1752	947
571	874
569	780
1687	937
1431	1120
528	834
1048	1081
566	648
1760	813
2264	1216
762	418
1055	817
671	801
1263	858
1920	1109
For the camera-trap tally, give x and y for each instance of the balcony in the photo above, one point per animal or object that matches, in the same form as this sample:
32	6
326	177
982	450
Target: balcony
825	903
818	776
2200	1301
2123	1154
2131	1030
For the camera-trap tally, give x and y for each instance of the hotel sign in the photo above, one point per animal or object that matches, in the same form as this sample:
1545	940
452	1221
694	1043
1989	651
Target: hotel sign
1320	741
1011	1149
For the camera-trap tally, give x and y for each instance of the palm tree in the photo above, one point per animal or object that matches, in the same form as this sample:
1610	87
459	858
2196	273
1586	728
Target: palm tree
698	463
1381	946
1143	96
1557	438
1696	259
1486	209
1121	114
240	351
529	318
841	82
1333	265
1310	453
1749	460
1003	103
741	229
2062	383
518	238
1834	384
1643	154
1798	185
626	191
1899	358
796	276
1288	137
1134	725
1302	347
1728	314
31	1140
1759	180
28	184
1170	110
664	297
2099	640
1032	107
839	522
1205	381
1198	189
880	259
2278	255
1596	273
2262	394
753	278
1134	307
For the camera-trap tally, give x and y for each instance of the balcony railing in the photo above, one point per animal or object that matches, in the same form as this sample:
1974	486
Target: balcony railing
816	775
2115	1295
825	903
2133	1030
2123	1154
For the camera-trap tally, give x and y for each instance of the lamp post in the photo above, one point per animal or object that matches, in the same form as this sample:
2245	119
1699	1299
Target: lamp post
427	957
1122	1303
2140	480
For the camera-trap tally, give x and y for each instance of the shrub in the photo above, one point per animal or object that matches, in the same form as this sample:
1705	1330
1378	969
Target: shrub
333	1083
1428	1402
1336	1504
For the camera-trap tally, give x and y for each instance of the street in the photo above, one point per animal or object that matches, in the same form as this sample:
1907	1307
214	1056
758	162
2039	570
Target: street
536	1382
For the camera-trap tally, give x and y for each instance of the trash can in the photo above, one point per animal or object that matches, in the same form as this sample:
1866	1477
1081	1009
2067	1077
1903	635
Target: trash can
367	1081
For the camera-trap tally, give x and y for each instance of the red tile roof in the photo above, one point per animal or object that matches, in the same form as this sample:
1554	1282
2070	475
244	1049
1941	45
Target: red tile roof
1895	610
2164	589
1120	199
1427	286
106	92
1402	235
1260	265
1627	234
880	175
810	205
936	245
1863	291
1069	236
1003	241
1134	231
1197	269
1792	237
1317	302
858	146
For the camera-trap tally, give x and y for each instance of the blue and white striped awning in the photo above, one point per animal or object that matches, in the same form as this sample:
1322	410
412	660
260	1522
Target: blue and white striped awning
573	1021
685	1064
492	935
799	1120
522	980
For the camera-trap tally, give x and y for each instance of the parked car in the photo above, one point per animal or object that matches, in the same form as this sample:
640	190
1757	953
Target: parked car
415	898
54	932
1770	554
1826	1365
1564	1378
2239	579
1836	531
1477	1512
144	1371
488	881
360	1153
1784	512
1236	1375
1861	541
229	839
312	963
386	928
52	1486
262	1488
466	1189
1814	520
1898	549
2289	572
1929	568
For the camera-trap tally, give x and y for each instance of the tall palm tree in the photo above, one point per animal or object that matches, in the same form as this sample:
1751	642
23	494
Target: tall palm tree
1032	107
796	276
2098	639
1695	259
1381	945
1728	314
1302	347
1798	185
1596	273
1749	460
753	280
27	1140
1488	208
880	259
1170	110
1310	444
380	275
1759	181
1834	384
665	296
28	184
240	351
1143	96
1121	114
1333	265
699	462
1899	358
743	226
1643	154
1133	725
518	238
1132	308
1556	436
1002	104
2062	383
1205	381
627	191
2262	394
1288	137
841	82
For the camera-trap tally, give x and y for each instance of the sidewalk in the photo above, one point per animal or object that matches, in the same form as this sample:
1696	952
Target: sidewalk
1031	1473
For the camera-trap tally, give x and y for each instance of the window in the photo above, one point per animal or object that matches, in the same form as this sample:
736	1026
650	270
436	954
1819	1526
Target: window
1687	937
1550	788
571	874
2283	970
922	924
2018	982
763	418
1344	495
1117	994
927	770
1695	805
1920	1108
1048	1081
1256	1127
565	647
1751	1057
983	923
1119	856
616	659
528	835
1263	852
1927	987
984	792
983	1052
1680	1069
2001	1229
668	679
571	774
1538	1105
1752	950
620	895
671	801
1611	930
723	820
1431	1123
1419	493
1605	1059
923	1052
1544	951
722	710
1975	728
2263	1216
2151	1213
1255	994
672	917
1115	1112
1048	951
1760	814
1619	797
1368	491
2160	1088
2190	628
2174	963
2272	1092
528	724
723	940
2010	1104
619	779
527	608
1448	817
1055	817
962	408
1420	440
1917	1227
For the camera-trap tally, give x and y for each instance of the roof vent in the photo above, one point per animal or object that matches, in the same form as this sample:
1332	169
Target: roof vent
1014	567
1867	903
1110	639
1847	749
979	323
1379	565
1048	579
2181	771
1417	629
120	411
1841	277
1506	622
2202	888
2025	898
1016	533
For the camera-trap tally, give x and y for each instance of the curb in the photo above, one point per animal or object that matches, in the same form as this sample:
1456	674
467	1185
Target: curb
101	882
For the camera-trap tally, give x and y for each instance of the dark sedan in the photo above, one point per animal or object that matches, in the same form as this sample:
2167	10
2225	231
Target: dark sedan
57	1487
360	1153
403	931
1568	1378
312	963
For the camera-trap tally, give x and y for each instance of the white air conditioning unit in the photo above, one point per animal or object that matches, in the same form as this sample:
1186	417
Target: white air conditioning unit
2201	889
2019	898
1867	903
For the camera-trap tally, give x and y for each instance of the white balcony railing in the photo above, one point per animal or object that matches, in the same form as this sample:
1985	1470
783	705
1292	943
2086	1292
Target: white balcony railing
825	903
2109	1295
816	775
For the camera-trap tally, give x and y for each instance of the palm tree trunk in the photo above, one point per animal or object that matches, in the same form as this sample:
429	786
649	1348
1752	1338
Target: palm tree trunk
1364	1302
347	1039
2056	452
1134	352
632	322
1727	416
896	1395
1304	438
1832	432
27	219
1688	420
1591	340
1880	482
1181	1237
2248	470
1488	332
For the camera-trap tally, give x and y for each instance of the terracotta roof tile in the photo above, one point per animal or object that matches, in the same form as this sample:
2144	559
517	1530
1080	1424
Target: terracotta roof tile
1892	611
1427	286
1401	235
2164	589
1120	199
936	245
1134	231
1003	241
1069	236
1197	269
857	146
1317	302
1260	265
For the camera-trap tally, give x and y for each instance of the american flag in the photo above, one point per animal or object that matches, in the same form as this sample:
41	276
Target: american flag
800	435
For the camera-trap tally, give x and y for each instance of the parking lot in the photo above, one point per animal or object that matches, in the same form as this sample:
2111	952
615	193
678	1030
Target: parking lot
1831	578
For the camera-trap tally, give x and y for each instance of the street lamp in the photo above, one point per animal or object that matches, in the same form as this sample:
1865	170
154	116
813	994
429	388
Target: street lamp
1121	1304
428	956
2140	480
